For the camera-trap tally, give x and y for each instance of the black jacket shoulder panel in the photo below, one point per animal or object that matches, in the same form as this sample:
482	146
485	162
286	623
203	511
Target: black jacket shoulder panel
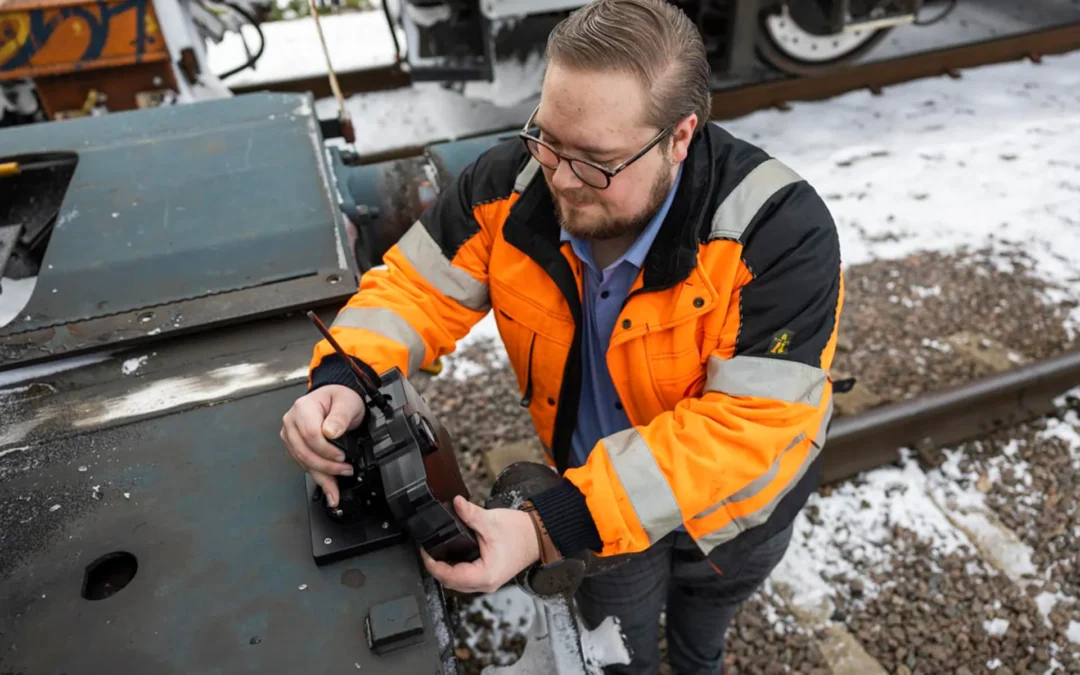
451	219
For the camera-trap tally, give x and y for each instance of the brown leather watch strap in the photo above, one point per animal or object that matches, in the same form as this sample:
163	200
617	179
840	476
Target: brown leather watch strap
549	553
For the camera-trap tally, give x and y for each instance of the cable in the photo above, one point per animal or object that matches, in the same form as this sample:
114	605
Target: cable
393	32
944	13
262	41
343	114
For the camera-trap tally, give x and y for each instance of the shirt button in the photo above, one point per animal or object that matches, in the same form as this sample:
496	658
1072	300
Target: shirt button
699	302
618	405
604	294
551	401
626	323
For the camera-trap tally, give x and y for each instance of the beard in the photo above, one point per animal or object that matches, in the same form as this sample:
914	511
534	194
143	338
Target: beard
573	219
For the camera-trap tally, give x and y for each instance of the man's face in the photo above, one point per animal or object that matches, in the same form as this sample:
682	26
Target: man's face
600	117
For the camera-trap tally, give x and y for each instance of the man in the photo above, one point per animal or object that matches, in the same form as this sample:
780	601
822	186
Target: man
668	296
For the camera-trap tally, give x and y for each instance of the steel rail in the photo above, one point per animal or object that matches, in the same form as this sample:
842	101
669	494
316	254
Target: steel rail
937	419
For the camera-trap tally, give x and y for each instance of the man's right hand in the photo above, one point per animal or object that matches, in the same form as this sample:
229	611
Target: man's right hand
327	412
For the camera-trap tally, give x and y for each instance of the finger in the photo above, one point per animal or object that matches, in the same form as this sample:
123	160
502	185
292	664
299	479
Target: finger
329	487
471	514
463	577
345	412
309	460
308	423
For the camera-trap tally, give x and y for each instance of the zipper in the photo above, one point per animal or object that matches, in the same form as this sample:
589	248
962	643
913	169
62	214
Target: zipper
527	398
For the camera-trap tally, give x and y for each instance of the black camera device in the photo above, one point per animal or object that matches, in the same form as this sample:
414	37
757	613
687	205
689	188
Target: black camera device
405	477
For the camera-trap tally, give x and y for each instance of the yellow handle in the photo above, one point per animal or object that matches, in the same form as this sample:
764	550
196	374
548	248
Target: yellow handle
8	169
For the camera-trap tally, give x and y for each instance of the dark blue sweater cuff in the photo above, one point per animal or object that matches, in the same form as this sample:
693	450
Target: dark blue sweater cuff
333	370
567	519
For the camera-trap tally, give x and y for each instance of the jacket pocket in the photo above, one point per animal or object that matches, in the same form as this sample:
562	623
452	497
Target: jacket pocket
677	367
538	356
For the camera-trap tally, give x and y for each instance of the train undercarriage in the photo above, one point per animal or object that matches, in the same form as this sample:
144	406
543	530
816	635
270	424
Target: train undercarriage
456	40
72	58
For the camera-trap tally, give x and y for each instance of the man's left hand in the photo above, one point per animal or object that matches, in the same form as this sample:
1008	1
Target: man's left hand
507	542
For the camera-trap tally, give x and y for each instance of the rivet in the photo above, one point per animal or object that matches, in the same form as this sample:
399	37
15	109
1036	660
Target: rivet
699	302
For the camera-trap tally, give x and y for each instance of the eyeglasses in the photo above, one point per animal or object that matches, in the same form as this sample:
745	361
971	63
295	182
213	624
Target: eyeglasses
590	173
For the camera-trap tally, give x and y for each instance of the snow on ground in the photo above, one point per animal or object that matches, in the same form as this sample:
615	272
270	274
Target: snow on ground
987	160
293	50
846	534
861	517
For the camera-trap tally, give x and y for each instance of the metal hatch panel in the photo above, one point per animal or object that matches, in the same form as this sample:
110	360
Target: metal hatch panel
178	217
225	581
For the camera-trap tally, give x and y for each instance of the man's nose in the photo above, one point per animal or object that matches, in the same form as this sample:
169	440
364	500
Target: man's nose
564	177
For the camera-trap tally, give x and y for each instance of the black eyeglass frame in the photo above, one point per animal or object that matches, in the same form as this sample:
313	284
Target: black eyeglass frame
526	137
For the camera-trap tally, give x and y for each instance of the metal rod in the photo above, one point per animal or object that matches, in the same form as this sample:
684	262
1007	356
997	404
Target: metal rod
361	378
343	114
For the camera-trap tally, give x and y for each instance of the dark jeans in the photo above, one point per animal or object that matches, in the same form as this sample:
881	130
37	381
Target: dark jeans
700	602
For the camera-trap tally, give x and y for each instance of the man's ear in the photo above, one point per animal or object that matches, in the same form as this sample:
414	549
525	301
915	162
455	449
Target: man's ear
681	135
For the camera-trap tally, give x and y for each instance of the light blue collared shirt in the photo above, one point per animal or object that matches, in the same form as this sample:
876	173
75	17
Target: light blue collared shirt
600	412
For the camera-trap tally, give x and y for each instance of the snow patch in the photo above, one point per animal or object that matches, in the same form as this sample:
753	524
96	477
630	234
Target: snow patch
996	627
603	646
848	534
131	366
509	611
1073	632
966	507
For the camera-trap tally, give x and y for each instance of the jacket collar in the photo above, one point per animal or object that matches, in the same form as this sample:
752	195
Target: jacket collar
674	254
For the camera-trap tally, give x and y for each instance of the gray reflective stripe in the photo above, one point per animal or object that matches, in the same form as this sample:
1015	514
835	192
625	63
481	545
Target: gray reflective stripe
728	532
388	324
734	214
778	379
526	175
758	484
425	255
645	485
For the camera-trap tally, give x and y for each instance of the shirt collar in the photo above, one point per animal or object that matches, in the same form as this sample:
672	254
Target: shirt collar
635	255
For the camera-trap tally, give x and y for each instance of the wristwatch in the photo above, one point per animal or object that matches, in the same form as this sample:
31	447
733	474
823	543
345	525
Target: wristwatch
549	553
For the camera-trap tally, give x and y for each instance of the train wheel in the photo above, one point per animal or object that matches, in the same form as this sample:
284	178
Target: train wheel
789	46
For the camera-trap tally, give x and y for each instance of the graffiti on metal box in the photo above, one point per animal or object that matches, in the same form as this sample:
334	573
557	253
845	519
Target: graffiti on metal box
60	39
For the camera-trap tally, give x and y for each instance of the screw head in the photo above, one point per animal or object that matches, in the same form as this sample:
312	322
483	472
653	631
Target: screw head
327	541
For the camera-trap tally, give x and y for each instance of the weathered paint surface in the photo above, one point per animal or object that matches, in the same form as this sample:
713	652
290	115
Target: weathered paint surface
49	40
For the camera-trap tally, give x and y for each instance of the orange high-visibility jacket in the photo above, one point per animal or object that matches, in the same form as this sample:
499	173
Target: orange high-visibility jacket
720	355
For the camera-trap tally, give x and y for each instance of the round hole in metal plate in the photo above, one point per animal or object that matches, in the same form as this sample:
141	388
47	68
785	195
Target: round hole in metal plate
108	575
334	278
146	316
